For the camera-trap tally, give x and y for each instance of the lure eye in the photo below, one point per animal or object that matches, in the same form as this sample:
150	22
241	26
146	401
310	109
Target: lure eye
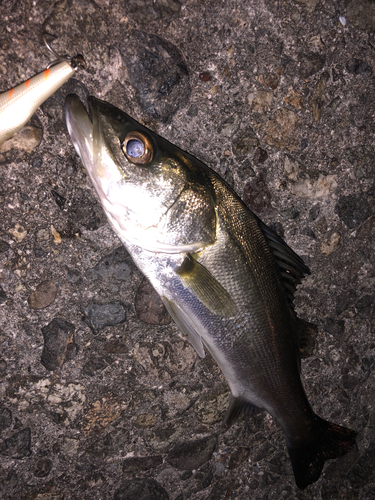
137	148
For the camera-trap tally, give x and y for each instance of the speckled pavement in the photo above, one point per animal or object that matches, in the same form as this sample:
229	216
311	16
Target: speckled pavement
100	396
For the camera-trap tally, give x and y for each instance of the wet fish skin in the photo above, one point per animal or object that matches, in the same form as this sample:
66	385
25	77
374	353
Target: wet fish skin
226	278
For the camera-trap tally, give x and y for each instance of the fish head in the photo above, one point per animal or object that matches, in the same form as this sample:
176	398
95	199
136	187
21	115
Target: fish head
140	178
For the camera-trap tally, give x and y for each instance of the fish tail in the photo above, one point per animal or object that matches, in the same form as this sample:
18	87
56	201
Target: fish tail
329	441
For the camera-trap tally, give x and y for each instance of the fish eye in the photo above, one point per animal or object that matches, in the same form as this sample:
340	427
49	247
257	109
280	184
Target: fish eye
137	148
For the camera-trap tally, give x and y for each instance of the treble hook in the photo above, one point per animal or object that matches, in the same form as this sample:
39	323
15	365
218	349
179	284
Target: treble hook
76	62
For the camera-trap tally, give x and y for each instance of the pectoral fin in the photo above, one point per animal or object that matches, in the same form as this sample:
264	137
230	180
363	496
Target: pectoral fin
186	324
204	286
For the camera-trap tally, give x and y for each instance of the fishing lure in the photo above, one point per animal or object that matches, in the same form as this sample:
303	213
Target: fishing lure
18	104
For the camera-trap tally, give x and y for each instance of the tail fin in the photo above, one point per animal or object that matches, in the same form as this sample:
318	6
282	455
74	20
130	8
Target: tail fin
330	441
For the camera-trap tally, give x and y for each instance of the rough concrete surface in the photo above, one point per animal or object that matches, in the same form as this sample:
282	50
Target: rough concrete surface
102	398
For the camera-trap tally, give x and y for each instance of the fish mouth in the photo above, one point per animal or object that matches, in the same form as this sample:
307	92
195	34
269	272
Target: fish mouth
80	128
89	140
92	133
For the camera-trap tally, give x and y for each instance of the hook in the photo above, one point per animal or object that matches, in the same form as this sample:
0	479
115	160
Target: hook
76	61
58	56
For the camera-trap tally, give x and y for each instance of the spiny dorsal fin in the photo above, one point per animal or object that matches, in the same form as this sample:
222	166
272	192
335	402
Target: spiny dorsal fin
291	266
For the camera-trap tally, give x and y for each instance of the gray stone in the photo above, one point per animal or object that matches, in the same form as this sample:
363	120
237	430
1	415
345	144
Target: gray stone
310	63
43	296
144	12
149	306
5	419
3	246
98	316
3	366
58	336
361	13
18	445
135	464
363	471
158	72
95	365
192	454
141	489
354	210
256	194
43	467
26	139
116	266
3	296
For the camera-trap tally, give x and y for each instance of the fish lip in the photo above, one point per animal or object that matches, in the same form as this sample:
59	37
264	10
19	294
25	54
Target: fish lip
93	105
75	111
73	102
80	128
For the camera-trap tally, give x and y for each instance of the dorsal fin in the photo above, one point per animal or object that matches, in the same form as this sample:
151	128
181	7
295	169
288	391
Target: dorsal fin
244	227
291	266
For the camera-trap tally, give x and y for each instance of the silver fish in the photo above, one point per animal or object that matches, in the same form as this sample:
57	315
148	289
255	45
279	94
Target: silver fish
225	277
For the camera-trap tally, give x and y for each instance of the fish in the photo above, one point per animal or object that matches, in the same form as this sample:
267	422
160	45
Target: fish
225	277
17	105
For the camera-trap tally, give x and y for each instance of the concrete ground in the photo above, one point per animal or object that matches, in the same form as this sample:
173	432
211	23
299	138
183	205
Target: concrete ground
101	396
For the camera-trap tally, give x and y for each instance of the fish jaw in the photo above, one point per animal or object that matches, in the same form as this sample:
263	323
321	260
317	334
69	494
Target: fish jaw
103	171
80	129
109	181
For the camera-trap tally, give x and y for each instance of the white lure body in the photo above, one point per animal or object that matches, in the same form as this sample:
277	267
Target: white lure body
18	104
